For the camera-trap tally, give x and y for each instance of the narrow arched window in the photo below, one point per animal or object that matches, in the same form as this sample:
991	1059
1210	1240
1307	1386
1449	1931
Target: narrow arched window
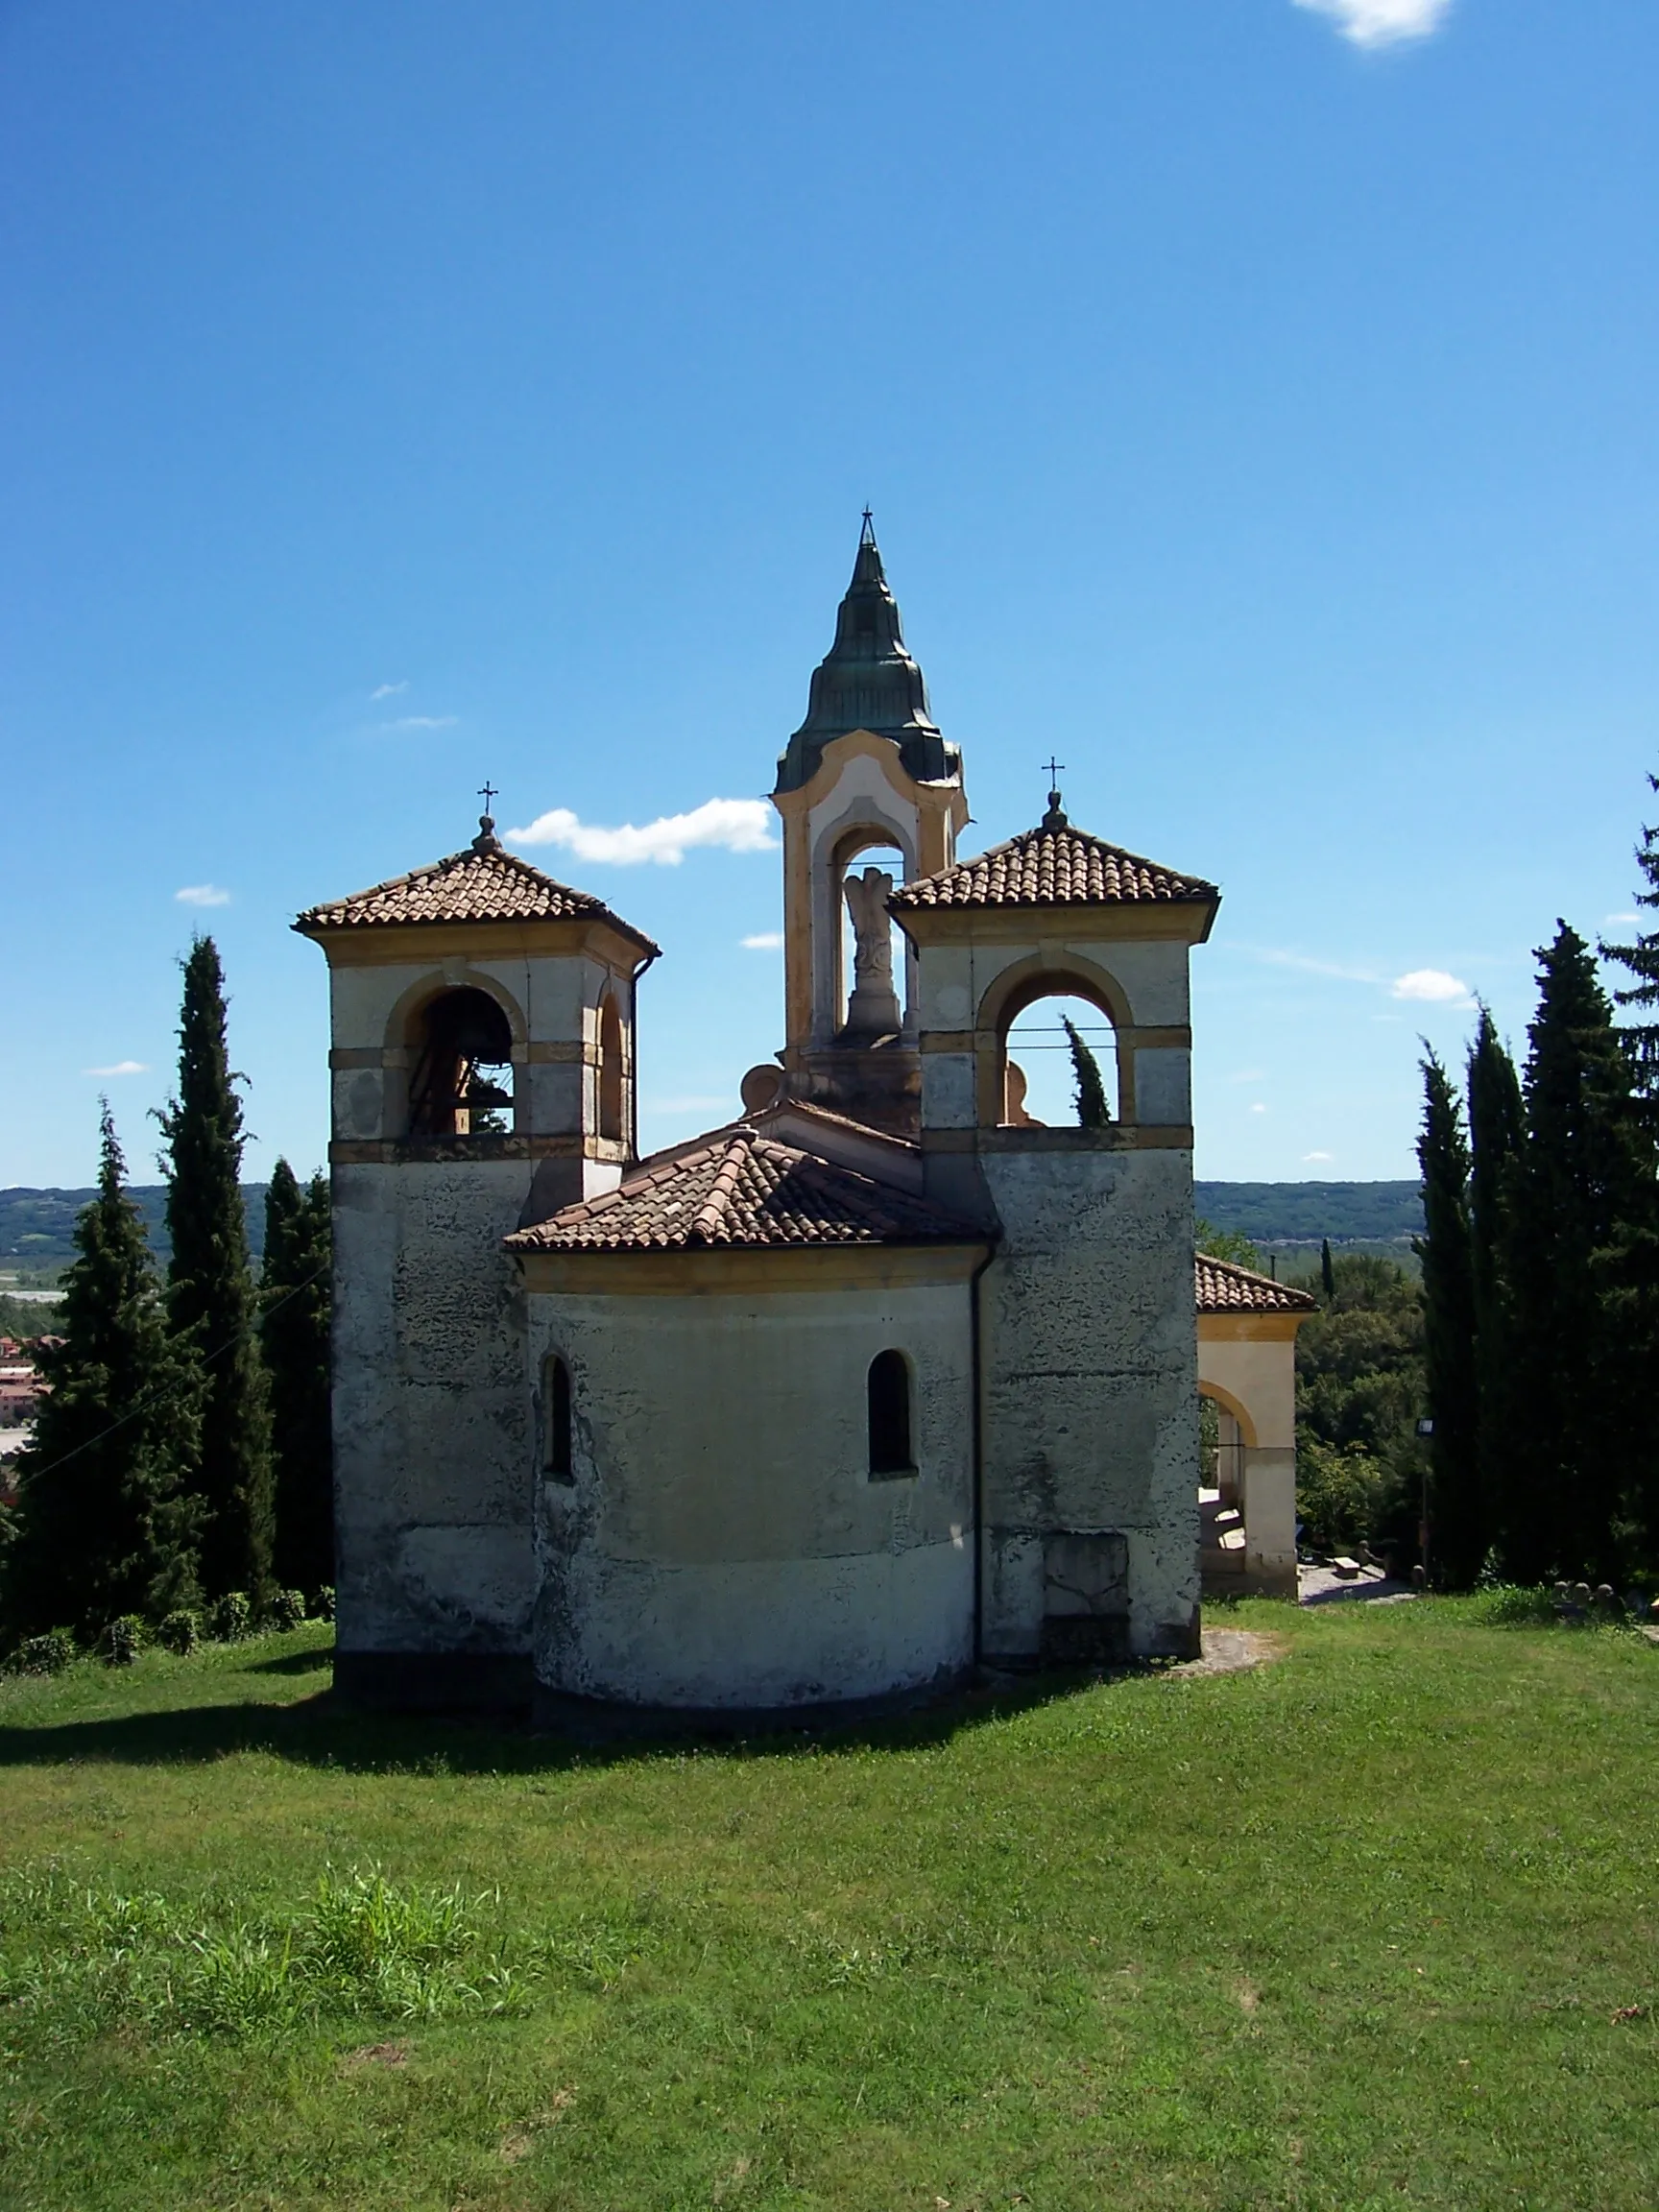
890	1448
610	1070
556	1413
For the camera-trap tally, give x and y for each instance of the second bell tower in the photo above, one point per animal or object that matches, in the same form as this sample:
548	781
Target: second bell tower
867	769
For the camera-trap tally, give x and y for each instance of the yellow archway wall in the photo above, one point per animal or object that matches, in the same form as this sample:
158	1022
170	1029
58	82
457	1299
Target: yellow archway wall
1247	1364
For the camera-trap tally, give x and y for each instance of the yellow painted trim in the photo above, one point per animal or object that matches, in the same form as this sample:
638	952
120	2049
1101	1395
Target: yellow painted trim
706	1274
1250	1327
1121	1137
1183	921
427	943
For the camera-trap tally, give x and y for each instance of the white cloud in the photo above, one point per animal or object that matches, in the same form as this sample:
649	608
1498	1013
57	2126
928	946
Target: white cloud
1382	22
202	895
423	721
1611	921
120	1068
730	825
389	691
1307	1156
1431	987
767	941
1258	1107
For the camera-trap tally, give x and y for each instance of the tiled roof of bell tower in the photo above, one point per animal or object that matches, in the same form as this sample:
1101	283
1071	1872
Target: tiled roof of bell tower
868	679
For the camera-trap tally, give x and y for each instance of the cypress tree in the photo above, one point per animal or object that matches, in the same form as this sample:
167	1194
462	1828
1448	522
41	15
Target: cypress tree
1460	1536
211	1297
1578	1189
104	1523
1495	1136
294	1298
1326	1271
1641	957
1093	1111
1632	1261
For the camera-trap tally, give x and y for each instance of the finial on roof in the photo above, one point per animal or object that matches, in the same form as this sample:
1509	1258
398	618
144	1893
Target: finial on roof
868	679
487	840
1055	818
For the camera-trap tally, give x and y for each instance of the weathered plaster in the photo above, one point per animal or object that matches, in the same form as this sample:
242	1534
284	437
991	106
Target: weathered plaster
722	1543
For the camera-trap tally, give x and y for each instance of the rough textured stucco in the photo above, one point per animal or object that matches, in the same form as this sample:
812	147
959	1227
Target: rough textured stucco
431	1424
1089	1384
722	1543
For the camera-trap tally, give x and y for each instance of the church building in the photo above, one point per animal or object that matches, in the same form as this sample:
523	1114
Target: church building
878	1382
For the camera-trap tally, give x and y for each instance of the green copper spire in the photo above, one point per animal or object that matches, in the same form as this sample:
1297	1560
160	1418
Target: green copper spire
868	681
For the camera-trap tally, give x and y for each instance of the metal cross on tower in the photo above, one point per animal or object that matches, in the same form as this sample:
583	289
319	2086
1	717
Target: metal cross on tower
487	792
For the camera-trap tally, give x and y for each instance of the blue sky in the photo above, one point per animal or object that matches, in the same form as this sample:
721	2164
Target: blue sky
1254	399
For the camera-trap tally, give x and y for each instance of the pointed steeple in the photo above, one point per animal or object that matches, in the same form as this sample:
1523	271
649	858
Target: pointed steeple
868	681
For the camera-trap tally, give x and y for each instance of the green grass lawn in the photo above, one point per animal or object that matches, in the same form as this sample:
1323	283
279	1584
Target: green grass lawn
1373	1925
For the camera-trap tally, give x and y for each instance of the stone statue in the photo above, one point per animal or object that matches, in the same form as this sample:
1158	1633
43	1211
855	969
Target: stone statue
873	1010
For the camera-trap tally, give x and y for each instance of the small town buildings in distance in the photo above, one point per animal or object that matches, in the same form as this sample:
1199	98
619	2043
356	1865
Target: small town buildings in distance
877	1382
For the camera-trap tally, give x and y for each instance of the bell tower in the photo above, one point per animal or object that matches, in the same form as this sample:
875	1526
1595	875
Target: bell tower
867	769
482	1019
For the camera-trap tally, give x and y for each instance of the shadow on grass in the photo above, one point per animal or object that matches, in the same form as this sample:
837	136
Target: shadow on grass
323	1732
293	1662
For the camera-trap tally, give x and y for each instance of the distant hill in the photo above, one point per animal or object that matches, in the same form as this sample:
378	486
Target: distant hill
36	1226
1288	1219
1304	1212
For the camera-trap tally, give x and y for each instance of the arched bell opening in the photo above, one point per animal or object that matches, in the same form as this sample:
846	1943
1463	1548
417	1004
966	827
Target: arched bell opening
461	1079
1059	1059
871	988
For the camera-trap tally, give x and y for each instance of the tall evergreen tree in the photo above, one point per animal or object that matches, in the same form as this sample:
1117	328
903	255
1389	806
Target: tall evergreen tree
1633	1258
1579	1187
1093	1111
1458	1517
1496	1120
1641	957
294	1293
211	1296
1327	1271
104	1522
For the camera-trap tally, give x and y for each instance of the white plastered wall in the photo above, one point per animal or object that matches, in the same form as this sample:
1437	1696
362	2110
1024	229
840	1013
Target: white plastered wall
1089	1353
722	1544
433	1501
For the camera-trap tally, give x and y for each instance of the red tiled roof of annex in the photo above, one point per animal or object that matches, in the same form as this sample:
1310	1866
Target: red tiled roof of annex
485	883
1223	1287
1053	868
742	1190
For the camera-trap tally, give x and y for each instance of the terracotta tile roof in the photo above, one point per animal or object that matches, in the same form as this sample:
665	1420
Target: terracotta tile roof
485	883
1225	1288
740	1189
1060	867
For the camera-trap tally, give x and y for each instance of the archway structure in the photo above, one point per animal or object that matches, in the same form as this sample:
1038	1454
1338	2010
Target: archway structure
1247	1326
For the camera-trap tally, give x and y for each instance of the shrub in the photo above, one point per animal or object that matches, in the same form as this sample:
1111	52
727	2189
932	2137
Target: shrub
1341	1496
179	1631
123	1640
288	1608
47	1654
323	1605
232	1617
